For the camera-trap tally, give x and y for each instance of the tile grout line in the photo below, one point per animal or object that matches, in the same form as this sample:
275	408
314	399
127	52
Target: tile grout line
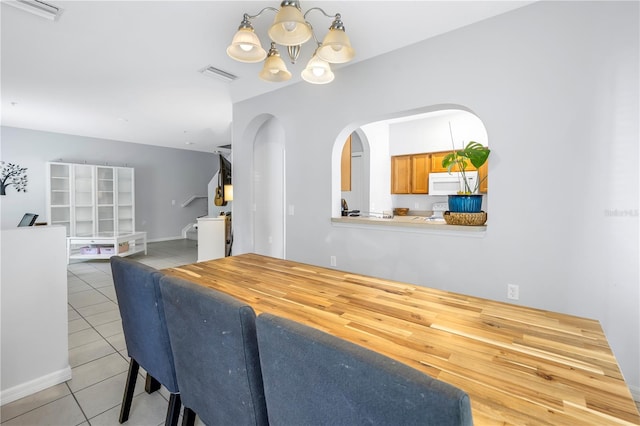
86	419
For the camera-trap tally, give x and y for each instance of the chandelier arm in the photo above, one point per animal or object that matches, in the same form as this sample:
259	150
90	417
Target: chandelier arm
273	9
313	33
337	15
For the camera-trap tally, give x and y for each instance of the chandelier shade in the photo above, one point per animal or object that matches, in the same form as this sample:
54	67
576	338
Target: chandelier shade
318	71
246	47
336	46
291	29
274	69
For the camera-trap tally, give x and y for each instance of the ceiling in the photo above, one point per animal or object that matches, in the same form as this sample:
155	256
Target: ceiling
129	70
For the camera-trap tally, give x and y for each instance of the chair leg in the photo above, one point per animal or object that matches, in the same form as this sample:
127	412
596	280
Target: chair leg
151	384
128	390
173	410
188	417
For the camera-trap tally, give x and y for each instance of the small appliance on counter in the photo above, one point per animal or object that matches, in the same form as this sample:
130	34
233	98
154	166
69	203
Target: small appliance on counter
438	211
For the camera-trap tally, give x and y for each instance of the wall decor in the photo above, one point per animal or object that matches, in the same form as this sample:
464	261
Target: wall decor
12	174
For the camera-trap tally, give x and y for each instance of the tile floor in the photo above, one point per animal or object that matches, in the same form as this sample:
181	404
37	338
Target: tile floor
97	353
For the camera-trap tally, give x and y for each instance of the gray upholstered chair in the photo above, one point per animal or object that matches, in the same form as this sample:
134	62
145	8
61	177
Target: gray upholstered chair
145	333
313	378
213	338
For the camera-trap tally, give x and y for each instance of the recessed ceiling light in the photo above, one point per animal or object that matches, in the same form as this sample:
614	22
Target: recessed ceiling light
189	143
218	73
37	7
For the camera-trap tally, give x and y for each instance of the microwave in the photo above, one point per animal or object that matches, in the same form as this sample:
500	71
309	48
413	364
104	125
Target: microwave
450	183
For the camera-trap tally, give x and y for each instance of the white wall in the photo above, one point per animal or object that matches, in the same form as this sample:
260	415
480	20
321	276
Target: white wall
431	134
380	185
35	350
556	86
162	175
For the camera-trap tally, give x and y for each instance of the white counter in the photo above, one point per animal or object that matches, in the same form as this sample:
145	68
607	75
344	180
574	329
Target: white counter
35	348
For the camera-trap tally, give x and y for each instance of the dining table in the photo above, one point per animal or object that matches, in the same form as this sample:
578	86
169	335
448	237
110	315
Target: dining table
519	365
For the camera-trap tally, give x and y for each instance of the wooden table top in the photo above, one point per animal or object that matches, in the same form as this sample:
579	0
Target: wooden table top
519	365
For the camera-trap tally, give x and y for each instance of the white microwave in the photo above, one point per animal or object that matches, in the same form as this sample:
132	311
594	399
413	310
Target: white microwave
450	183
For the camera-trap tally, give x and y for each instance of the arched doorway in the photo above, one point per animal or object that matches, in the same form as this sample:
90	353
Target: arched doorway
269	190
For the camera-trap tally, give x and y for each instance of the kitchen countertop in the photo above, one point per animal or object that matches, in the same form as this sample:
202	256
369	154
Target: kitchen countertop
418	223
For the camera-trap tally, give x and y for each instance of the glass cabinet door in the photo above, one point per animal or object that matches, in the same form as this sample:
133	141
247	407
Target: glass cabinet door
83	200
60	195
105	199
125	200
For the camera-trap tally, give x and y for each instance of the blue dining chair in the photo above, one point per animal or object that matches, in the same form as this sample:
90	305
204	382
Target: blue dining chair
213	338
312	378
145	333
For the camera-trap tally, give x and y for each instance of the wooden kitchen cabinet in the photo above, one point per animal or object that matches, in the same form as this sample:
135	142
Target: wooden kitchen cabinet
345	166
410	174
420	173
401	174
436	163
483	172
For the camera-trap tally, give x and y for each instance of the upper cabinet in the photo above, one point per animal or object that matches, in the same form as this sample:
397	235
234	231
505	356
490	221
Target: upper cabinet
410	174
89	199
345	166
483	177
401	174
420	174
436	163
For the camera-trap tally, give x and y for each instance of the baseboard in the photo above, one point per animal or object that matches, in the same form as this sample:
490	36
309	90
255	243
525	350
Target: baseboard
635	393
158	240
35	385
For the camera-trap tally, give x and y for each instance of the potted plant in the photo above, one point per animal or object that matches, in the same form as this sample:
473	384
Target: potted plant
467	200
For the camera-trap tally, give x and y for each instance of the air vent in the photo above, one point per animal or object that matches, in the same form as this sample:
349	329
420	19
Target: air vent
218	73
37	7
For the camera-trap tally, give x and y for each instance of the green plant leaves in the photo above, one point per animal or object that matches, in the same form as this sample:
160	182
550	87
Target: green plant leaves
476	153
473	152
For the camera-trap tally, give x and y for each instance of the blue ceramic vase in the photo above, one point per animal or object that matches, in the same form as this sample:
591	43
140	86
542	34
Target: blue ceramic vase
465	203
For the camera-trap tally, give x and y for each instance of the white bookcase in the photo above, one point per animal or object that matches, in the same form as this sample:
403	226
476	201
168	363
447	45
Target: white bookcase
90	199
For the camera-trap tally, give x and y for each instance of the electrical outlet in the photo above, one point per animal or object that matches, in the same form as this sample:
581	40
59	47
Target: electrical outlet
513	291
333	261
416	206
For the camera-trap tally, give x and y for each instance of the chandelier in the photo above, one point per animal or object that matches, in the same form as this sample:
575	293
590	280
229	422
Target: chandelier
291	29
